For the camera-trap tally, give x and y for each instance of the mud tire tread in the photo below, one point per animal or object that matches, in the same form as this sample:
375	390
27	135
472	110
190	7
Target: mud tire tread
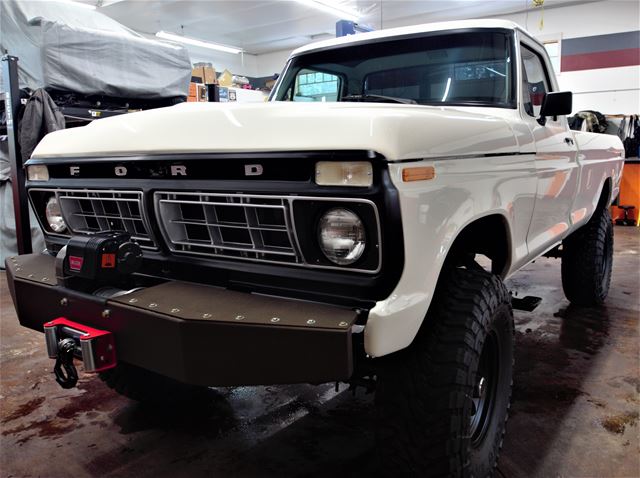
422	398
582	256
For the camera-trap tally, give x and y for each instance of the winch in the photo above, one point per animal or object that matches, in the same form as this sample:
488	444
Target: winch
100	264
87	263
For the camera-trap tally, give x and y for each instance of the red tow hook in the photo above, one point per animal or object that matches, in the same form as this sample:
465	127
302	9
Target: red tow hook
67	340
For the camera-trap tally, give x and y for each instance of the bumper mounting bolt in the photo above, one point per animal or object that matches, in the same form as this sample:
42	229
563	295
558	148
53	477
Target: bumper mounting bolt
311	321
239	317
206	316
64	302
343	324
133	301
153	305
106	313
175	311
275	319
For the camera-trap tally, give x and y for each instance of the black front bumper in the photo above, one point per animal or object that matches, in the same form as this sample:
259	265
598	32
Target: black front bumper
197	334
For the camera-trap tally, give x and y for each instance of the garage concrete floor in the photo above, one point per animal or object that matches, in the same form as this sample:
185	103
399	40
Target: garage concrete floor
575	413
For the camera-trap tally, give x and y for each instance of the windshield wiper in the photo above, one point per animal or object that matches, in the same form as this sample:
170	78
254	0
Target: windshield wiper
379	99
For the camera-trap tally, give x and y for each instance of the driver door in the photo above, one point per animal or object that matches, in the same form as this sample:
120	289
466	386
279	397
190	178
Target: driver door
556	156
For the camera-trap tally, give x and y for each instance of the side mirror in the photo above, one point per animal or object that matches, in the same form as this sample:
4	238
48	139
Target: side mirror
555	103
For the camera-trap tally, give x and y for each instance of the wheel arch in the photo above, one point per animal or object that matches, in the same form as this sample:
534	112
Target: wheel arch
394	323
605	198
489	235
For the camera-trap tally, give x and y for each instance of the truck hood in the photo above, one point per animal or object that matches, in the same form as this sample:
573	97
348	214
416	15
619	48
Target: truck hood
397	132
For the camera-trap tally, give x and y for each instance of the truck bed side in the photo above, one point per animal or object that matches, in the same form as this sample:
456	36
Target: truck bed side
600	157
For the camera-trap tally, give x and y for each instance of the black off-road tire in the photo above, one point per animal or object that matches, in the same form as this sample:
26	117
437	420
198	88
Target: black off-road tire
148	387
425	394
587	260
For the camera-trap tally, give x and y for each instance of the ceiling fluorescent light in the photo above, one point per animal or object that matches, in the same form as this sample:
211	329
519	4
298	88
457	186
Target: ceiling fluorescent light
333	8
200	43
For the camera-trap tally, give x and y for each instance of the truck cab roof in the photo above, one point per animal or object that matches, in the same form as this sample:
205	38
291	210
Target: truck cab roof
372	37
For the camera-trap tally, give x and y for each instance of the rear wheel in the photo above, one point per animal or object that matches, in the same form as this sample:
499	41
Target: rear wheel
443	402
587	260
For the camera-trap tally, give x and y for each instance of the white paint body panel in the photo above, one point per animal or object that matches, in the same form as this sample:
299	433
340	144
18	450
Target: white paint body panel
396	131
464	190
433	214
487	161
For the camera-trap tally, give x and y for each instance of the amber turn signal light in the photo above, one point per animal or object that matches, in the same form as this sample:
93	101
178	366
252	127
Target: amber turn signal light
421	173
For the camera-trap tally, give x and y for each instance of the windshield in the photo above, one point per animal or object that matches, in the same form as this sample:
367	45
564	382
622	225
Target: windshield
472	68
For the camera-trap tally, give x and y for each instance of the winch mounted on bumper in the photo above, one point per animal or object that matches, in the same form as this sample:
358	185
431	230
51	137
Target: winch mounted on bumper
197	334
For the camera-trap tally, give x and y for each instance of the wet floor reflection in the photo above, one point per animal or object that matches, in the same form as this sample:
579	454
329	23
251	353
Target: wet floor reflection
583	328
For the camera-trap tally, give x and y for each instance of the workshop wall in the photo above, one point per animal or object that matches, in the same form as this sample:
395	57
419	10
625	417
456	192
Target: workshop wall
269	63
600	60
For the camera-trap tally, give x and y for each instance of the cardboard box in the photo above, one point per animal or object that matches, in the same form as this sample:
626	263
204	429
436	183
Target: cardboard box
209	75
204	74
197	75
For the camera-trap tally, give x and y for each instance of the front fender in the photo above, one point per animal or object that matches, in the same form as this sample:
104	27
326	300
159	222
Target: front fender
434	212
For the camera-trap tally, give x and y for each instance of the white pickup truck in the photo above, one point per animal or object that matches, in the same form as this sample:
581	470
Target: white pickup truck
333	233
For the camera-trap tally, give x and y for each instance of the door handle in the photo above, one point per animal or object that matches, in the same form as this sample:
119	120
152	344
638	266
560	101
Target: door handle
569	141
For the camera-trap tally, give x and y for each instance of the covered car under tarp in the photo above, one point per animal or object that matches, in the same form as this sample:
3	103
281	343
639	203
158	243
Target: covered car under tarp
64	47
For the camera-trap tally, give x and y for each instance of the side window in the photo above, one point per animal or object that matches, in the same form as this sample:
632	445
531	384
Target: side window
313	85
534	81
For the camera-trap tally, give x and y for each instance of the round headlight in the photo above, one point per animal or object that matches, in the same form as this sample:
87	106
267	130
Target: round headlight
54	216
341	235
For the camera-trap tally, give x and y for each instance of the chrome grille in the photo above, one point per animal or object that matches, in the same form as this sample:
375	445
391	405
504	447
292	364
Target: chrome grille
91	211
228	225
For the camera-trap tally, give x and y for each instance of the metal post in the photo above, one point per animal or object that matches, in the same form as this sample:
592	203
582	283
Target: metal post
18	183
